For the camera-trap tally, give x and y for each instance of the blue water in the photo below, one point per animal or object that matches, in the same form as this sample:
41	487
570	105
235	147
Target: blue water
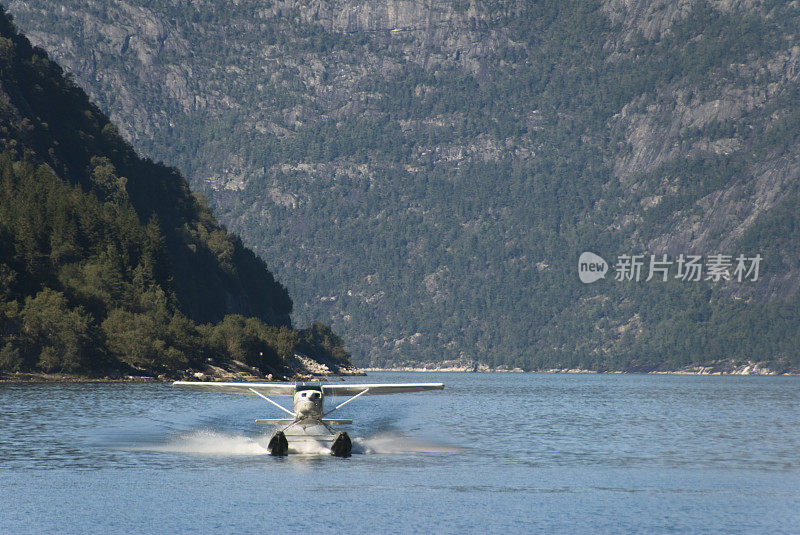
491	453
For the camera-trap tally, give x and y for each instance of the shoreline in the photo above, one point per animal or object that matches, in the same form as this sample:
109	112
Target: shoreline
62	378
46	378
233	372
745	370
217	375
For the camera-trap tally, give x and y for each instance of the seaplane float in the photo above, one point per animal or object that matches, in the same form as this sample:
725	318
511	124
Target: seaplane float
308	424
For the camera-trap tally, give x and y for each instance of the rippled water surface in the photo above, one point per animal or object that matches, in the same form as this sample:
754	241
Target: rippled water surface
491	453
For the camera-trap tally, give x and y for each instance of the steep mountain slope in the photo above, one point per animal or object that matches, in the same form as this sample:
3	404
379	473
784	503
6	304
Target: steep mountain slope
425	174
108	260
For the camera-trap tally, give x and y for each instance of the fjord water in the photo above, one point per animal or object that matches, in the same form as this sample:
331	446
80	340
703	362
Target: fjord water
491	453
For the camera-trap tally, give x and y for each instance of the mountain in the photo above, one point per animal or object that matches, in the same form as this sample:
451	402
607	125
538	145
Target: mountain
109	264
426	175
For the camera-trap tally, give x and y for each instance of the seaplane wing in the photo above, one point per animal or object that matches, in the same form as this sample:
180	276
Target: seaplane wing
377	389
267	389
289	389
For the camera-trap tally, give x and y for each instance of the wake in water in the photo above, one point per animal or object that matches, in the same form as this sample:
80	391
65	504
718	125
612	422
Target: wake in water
392	442
207	442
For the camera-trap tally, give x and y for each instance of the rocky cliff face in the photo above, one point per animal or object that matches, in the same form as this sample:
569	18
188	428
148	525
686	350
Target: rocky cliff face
424	174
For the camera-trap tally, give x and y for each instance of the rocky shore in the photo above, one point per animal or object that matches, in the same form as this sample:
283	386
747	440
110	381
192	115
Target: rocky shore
715	368
303	368
309	370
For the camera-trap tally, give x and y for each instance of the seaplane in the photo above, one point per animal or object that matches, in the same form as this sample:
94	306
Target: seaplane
308	424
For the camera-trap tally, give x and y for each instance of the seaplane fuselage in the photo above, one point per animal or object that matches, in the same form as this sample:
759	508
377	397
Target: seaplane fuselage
309	404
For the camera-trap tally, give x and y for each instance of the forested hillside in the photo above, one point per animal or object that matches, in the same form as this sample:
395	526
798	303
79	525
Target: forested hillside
109	265
425	175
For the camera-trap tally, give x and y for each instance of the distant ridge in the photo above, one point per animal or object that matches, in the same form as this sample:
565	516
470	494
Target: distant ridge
429	191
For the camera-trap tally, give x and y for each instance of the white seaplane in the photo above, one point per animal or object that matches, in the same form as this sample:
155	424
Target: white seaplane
308	424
